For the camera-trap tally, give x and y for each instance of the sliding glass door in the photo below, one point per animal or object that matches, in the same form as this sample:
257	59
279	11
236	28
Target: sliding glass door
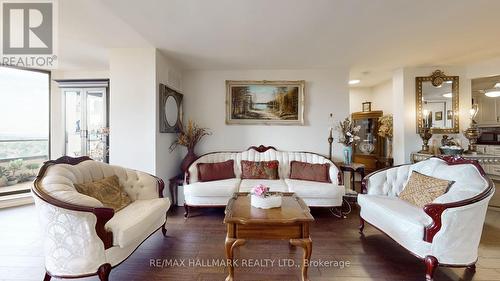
86	123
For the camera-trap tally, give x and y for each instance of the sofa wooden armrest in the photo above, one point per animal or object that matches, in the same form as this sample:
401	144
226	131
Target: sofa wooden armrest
436	210
102	214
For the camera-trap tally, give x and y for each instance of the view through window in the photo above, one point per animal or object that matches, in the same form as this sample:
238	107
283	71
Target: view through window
24	127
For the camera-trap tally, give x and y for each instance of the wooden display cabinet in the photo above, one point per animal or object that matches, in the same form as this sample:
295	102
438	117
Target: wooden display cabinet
370	140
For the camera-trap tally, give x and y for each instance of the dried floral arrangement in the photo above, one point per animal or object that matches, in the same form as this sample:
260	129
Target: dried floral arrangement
348	132
189	136
385	126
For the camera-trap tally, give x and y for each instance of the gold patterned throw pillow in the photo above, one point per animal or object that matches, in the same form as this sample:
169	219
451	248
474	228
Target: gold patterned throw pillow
106	190
421	189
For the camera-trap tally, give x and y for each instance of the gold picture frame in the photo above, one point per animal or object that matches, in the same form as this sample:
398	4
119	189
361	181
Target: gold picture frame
264	102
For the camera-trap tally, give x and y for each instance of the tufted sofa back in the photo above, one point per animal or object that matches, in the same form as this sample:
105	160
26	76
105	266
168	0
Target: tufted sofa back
284	158
58	181
468	180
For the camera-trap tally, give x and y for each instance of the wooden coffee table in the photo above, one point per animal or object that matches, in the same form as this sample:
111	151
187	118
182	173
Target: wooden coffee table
290	222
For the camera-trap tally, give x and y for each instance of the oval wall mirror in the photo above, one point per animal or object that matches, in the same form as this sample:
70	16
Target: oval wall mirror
170	110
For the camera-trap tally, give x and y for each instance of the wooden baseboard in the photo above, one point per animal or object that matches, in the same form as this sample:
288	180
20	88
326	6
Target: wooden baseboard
16	200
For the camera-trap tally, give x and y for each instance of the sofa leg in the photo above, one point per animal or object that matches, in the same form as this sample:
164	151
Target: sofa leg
47	277
103	272
431	264
472	268
361	225
164	227
186	211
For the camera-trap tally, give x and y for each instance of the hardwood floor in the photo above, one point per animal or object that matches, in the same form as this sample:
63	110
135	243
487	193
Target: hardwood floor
372	257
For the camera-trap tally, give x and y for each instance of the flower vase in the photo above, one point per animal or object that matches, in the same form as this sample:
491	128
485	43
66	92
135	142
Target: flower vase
268	202
348	155
188	159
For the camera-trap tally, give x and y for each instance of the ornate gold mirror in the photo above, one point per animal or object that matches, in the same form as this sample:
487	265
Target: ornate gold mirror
437	103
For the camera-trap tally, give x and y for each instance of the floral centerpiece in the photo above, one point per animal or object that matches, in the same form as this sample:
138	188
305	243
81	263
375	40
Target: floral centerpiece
262	198
189	136
348	136
385	130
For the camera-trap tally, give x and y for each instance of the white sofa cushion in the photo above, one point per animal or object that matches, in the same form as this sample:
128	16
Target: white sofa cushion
468	180
399	219
128	225
312	189
274	185
59	179
219	188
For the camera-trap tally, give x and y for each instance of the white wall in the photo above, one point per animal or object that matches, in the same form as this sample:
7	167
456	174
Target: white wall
133	108
57	107
357	96
382	97
167	164
326	91
379	95
406	139
135	141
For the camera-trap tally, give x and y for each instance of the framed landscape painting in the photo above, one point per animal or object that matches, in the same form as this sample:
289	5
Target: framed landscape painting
265	102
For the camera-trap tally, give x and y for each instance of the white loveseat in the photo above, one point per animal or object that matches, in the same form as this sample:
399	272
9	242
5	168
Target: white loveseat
447	231
83	238
217	193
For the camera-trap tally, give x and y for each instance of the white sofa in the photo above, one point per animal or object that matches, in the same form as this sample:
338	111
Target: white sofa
217	193
83	238
447	231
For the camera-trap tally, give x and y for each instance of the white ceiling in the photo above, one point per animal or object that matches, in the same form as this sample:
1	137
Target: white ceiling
480	84
371	37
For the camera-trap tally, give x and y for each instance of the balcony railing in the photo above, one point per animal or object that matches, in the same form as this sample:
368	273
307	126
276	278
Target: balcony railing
20	160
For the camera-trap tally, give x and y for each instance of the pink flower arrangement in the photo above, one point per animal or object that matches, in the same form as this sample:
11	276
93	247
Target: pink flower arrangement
260	190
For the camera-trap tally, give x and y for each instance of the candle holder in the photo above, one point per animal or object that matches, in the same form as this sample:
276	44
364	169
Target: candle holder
472	133
330	142
426	134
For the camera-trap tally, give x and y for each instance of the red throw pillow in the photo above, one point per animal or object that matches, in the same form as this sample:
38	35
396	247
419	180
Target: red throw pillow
264	170
309	172
216	171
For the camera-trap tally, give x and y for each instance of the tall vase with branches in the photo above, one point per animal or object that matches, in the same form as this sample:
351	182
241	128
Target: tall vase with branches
189	136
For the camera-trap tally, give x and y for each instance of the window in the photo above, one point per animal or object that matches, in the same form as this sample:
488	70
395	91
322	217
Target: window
24	127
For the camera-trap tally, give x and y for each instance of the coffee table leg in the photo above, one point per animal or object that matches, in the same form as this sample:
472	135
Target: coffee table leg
306	244
231	244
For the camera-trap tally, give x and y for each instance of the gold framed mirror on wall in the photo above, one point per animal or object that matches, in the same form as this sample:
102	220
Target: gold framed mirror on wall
437	103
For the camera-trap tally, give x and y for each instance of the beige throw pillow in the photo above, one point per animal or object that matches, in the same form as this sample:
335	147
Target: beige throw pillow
421	189
106	190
